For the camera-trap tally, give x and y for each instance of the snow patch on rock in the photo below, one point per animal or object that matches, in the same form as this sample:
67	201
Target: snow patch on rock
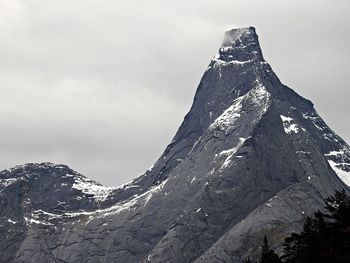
222	63
90	187
289	126
229	154
342	174
258	96
6	182
229	116
134	202
339	160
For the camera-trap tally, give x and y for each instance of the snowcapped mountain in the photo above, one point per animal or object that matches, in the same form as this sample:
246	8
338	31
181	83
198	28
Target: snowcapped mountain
251	158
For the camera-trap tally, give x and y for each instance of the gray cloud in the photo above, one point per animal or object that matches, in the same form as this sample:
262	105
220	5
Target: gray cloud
103	85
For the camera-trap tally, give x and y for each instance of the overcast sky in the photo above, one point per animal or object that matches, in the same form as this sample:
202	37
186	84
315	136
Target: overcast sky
102	85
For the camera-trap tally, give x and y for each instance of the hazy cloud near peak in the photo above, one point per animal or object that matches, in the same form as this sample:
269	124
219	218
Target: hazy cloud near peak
103	85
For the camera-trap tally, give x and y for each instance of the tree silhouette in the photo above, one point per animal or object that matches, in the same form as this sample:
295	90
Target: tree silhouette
324	238
267	254
247	260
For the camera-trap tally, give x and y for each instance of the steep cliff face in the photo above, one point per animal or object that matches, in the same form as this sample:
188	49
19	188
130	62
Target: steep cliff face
251	158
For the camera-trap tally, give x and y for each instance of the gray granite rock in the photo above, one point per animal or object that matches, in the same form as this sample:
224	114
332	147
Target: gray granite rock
251	158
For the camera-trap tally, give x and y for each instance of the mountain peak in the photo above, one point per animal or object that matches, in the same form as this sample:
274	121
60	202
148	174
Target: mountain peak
232	35
251	158
240	44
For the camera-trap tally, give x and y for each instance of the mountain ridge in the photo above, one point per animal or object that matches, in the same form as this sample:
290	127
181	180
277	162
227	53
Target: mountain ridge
251	157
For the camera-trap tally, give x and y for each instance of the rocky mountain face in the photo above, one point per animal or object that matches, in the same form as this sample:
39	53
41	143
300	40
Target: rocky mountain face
251	158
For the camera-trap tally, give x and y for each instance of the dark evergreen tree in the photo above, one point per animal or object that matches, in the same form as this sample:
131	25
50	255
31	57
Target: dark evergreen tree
247	260
324	238
267	254
338	207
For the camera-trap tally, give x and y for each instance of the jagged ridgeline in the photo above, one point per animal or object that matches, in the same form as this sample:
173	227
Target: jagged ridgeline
251	158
